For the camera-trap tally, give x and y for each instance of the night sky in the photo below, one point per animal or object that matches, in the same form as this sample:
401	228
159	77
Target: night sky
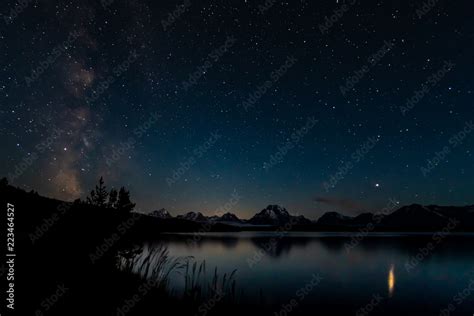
274	104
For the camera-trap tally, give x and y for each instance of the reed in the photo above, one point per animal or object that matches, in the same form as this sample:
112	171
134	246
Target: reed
197	288
155	263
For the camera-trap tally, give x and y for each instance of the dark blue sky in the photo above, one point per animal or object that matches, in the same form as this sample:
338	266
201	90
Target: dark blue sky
82	86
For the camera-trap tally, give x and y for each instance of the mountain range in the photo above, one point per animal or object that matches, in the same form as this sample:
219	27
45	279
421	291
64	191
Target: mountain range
410	218
274	215
407	218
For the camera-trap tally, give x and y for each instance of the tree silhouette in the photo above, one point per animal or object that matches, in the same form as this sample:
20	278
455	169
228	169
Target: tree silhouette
98	197
124	205
119	201
112	203
3	182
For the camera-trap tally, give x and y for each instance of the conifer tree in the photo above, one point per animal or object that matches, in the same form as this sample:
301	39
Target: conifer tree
98	196
124	205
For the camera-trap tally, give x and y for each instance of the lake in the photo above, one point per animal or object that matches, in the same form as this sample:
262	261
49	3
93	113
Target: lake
381	273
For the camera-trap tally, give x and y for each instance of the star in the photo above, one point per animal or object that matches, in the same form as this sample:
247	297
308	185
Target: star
89	112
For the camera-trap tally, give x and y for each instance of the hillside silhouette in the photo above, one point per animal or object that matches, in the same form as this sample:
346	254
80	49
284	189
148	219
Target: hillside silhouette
70	253
84	251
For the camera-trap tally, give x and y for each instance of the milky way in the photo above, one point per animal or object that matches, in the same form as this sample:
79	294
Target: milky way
313	106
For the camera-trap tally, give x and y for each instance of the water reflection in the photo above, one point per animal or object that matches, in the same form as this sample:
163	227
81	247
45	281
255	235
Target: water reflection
351	275
391	281
335	242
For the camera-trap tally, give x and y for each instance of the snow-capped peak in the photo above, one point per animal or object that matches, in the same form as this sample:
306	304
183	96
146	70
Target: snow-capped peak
162	213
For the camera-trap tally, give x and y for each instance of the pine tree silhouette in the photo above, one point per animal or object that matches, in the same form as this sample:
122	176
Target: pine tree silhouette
98	197
124	205
112	203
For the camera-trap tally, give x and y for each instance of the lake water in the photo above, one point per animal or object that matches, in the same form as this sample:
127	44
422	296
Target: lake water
379	274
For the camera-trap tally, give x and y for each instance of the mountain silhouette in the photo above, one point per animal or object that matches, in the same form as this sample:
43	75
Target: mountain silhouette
193	216
409	218
228	217
413	217
161	213
277	215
